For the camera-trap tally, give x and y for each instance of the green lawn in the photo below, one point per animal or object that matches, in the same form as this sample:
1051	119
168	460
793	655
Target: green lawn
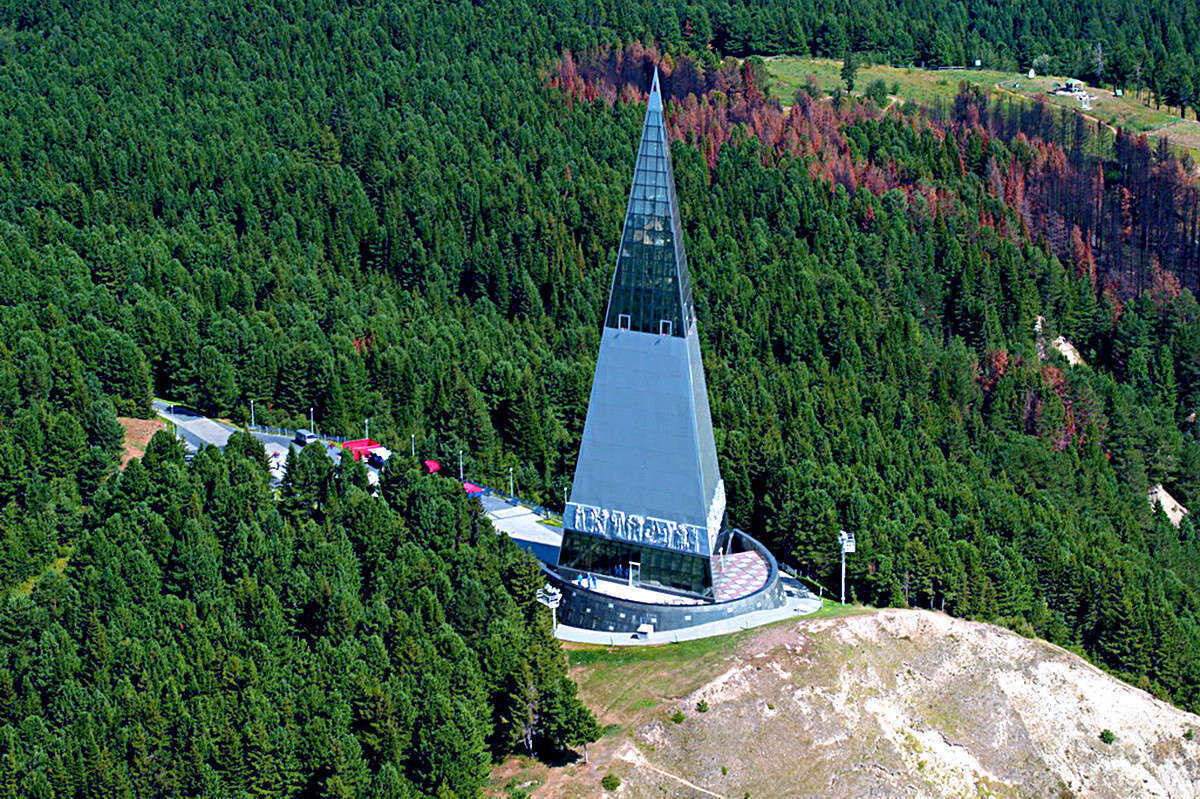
789	74
622	682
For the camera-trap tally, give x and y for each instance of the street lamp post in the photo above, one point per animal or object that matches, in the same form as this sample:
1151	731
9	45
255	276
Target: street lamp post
551	597
847	542
460	469
251	414
367	427
413	439
510	481
312	425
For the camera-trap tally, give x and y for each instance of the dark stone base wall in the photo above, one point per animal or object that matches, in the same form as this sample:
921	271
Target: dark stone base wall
592	610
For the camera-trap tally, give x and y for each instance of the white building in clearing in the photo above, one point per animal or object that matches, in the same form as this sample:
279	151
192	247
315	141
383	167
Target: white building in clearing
1175	512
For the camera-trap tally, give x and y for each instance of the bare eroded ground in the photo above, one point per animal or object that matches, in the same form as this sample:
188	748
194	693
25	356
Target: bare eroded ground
138	433
894	703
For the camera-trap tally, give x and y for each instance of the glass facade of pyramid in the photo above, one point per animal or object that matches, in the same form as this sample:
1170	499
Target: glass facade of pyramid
651	291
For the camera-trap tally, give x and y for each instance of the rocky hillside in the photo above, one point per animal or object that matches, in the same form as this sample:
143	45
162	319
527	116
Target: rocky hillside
887	704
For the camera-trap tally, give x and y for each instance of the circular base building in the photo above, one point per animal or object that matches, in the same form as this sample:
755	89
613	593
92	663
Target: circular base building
745	580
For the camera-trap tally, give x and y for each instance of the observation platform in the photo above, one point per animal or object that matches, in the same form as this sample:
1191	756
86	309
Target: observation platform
734	576
747	585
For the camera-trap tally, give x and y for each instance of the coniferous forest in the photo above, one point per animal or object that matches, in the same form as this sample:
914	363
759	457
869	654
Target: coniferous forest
409	212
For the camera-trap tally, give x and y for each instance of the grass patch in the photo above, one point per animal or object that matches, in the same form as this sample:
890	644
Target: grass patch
836	610
25	587
682	652
522	790
625	685
788	74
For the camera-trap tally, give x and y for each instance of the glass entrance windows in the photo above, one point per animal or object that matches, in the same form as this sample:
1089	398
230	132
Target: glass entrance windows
675	571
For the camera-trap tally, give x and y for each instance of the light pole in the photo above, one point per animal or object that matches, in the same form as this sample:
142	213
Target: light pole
367	427
311	424
551	597
251	414
460	469
414	445
847	542
510	481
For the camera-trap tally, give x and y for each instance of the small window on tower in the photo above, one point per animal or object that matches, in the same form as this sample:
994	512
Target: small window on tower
664	327
623	321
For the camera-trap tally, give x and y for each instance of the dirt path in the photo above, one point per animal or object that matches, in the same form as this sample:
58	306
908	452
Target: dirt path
630	754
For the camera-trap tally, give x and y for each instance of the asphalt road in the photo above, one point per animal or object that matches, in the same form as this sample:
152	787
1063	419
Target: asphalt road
198	430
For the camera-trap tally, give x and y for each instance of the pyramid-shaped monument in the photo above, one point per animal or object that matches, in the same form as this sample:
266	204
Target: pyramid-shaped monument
648	502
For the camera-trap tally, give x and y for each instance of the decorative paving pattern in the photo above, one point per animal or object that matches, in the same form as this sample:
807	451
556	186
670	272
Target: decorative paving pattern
738	575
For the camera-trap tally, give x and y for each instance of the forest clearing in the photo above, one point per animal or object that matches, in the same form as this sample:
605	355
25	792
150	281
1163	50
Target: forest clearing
1134	114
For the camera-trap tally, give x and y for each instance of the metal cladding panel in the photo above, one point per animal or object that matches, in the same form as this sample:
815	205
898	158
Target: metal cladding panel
643	442
710	475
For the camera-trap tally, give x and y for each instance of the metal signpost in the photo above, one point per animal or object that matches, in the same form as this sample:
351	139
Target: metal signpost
847	542
551	597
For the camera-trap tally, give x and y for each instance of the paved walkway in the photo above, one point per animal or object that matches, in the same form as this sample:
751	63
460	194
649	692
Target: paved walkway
194	428
524	527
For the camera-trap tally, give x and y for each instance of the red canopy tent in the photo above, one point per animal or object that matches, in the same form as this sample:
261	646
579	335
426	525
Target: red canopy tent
471	488
360	447
433	466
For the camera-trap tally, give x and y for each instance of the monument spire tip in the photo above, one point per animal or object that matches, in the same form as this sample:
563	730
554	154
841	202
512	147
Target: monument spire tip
655	99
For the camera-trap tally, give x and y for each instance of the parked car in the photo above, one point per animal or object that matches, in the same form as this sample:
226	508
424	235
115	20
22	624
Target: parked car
304	437
378	456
